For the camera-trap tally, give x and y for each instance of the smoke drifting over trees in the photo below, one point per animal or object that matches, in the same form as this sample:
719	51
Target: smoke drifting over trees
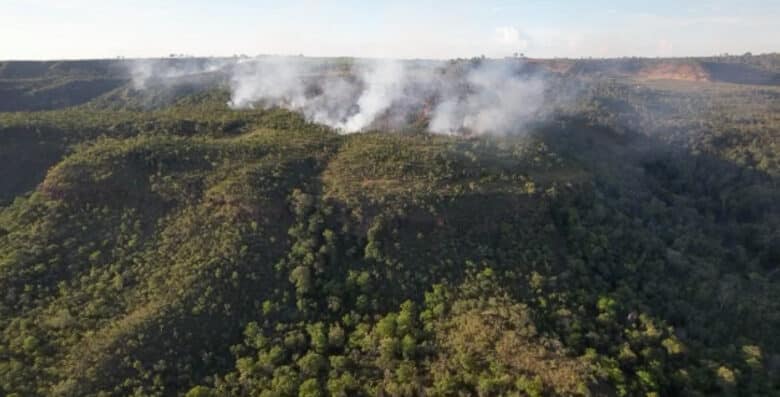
473	98
169	228
498	101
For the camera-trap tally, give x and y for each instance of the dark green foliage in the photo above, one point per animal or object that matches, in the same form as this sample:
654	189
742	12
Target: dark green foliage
200	251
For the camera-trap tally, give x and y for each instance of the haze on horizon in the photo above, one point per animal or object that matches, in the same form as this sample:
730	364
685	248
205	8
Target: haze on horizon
73	29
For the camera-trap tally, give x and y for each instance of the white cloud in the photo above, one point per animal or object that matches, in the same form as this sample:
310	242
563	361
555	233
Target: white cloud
509	36
496	28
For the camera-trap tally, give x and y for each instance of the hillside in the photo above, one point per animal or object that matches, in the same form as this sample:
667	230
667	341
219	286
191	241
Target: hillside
157	242
741	69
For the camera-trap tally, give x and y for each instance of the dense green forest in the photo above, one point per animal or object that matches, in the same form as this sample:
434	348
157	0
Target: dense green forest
159	243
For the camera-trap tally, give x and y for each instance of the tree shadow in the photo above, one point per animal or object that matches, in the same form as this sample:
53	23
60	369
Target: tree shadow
706	229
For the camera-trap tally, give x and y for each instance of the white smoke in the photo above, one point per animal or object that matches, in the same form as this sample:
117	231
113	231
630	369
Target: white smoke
498	101
148	72
270	82
384	84
348	100
464	97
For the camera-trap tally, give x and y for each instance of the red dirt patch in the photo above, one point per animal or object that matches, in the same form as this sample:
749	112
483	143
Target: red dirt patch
674	71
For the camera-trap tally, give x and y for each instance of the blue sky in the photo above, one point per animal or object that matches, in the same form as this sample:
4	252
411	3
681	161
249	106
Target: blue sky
56	29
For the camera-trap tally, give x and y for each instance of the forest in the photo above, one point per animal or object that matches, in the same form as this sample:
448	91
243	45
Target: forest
159	242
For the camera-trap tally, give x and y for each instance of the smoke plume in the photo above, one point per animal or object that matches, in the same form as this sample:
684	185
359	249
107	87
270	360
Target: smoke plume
148	72
496	100
460	97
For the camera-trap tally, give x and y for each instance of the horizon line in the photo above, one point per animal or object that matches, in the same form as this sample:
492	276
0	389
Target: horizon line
245	56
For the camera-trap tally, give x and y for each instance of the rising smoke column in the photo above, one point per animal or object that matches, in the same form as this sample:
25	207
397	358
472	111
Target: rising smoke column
348	102
384	84
496	99
268	82
465	97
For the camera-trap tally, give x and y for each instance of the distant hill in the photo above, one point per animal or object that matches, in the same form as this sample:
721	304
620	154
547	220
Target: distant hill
30	85
749	69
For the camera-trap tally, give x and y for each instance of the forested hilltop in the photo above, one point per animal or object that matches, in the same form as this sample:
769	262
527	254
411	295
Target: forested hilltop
157	241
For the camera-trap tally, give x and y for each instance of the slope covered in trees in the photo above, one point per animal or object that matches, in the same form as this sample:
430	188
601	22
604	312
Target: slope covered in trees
626	245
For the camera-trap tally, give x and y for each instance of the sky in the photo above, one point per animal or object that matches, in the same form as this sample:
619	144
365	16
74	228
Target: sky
441	29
